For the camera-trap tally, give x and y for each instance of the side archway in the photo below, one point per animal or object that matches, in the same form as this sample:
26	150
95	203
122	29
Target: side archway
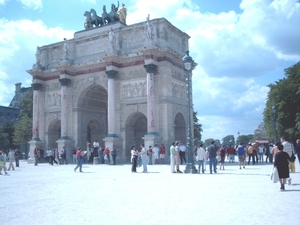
180	128
53	133
135	130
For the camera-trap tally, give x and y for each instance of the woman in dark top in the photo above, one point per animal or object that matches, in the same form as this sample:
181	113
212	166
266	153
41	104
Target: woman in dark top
282	164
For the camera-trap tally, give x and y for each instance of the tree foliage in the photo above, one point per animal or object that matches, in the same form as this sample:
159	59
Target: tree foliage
228	140
260	133
4	142
285	95
23	129
208	141
245	139
197	129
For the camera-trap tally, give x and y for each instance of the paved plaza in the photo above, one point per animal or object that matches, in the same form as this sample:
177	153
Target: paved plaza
105	194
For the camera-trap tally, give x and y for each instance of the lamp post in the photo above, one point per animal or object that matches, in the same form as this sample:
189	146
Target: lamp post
188	66
274	117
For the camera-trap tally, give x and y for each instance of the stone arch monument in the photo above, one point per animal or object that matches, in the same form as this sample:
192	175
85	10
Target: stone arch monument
122	91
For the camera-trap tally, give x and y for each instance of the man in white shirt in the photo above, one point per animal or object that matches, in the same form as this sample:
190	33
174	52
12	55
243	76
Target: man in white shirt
289	149
182	153
155	153
96	146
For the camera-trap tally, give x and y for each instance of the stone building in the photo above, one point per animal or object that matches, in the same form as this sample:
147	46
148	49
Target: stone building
118	84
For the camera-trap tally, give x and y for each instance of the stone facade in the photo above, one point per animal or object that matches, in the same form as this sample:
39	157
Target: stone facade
118	84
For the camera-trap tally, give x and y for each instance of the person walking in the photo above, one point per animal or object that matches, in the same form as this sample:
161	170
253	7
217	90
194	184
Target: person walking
172	157
64	156
282	164
182	153
36	154
150	152
200	157
144	157
106	156
177	157
261	151
79	155
222	153
242	155
212	154
134	157
114	154
297	149
251	154
155	153
17	157
74	156
162	153
2	162
11	158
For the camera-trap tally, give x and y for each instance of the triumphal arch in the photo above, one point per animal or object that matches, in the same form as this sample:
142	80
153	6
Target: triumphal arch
120	84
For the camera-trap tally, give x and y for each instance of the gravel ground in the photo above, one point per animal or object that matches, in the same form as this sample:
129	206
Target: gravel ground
105	194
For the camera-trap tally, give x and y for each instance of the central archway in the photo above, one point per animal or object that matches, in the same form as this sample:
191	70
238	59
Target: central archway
92	115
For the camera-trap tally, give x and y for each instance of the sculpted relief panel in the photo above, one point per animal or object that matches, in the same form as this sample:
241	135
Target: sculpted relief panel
179	91
135	37
53	99
133	90
91	47
179	75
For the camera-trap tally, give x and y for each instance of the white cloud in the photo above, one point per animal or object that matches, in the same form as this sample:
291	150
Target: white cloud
2	2
32	4
18	41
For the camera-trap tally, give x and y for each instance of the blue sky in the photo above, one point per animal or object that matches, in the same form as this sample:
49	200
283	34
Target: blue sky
240	47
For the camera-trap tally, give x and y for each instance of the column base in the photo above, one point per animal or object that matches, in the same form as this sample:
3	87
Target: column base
190	168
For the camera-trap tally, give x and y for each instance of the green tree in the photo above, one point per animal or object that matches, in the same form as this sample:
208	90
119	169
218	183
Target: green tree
23	129
260	133
208	141
9	128
245	139
228	140
285	95
4	143
197	129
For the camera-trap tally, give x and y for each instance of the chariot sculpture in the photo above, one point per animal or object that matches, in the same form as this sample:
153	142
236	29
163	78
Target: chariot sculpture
92	19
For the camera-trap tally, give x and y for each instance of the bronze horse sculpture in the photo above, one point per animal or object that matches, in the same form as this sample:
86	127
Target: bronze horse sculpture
105	16
92	19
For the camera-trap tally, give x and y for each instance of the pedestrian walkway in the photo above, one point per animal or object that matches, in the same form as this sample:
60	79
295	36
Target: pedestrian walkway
105	194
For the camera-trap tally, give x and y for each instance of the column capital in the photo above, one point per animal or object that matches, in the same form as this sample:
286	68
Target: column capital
111	74
37	86
65	81
150	68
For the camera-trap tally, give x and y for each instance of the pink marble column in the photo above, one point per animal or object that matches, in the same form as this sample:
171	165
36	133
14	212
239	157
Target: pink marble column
111	76
35	115
150	68
64	107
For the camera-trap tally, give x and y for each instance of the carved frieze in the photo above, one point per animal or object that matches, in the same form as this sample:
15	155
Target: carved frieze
179	75
53	99
135	89
179	91
134	37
